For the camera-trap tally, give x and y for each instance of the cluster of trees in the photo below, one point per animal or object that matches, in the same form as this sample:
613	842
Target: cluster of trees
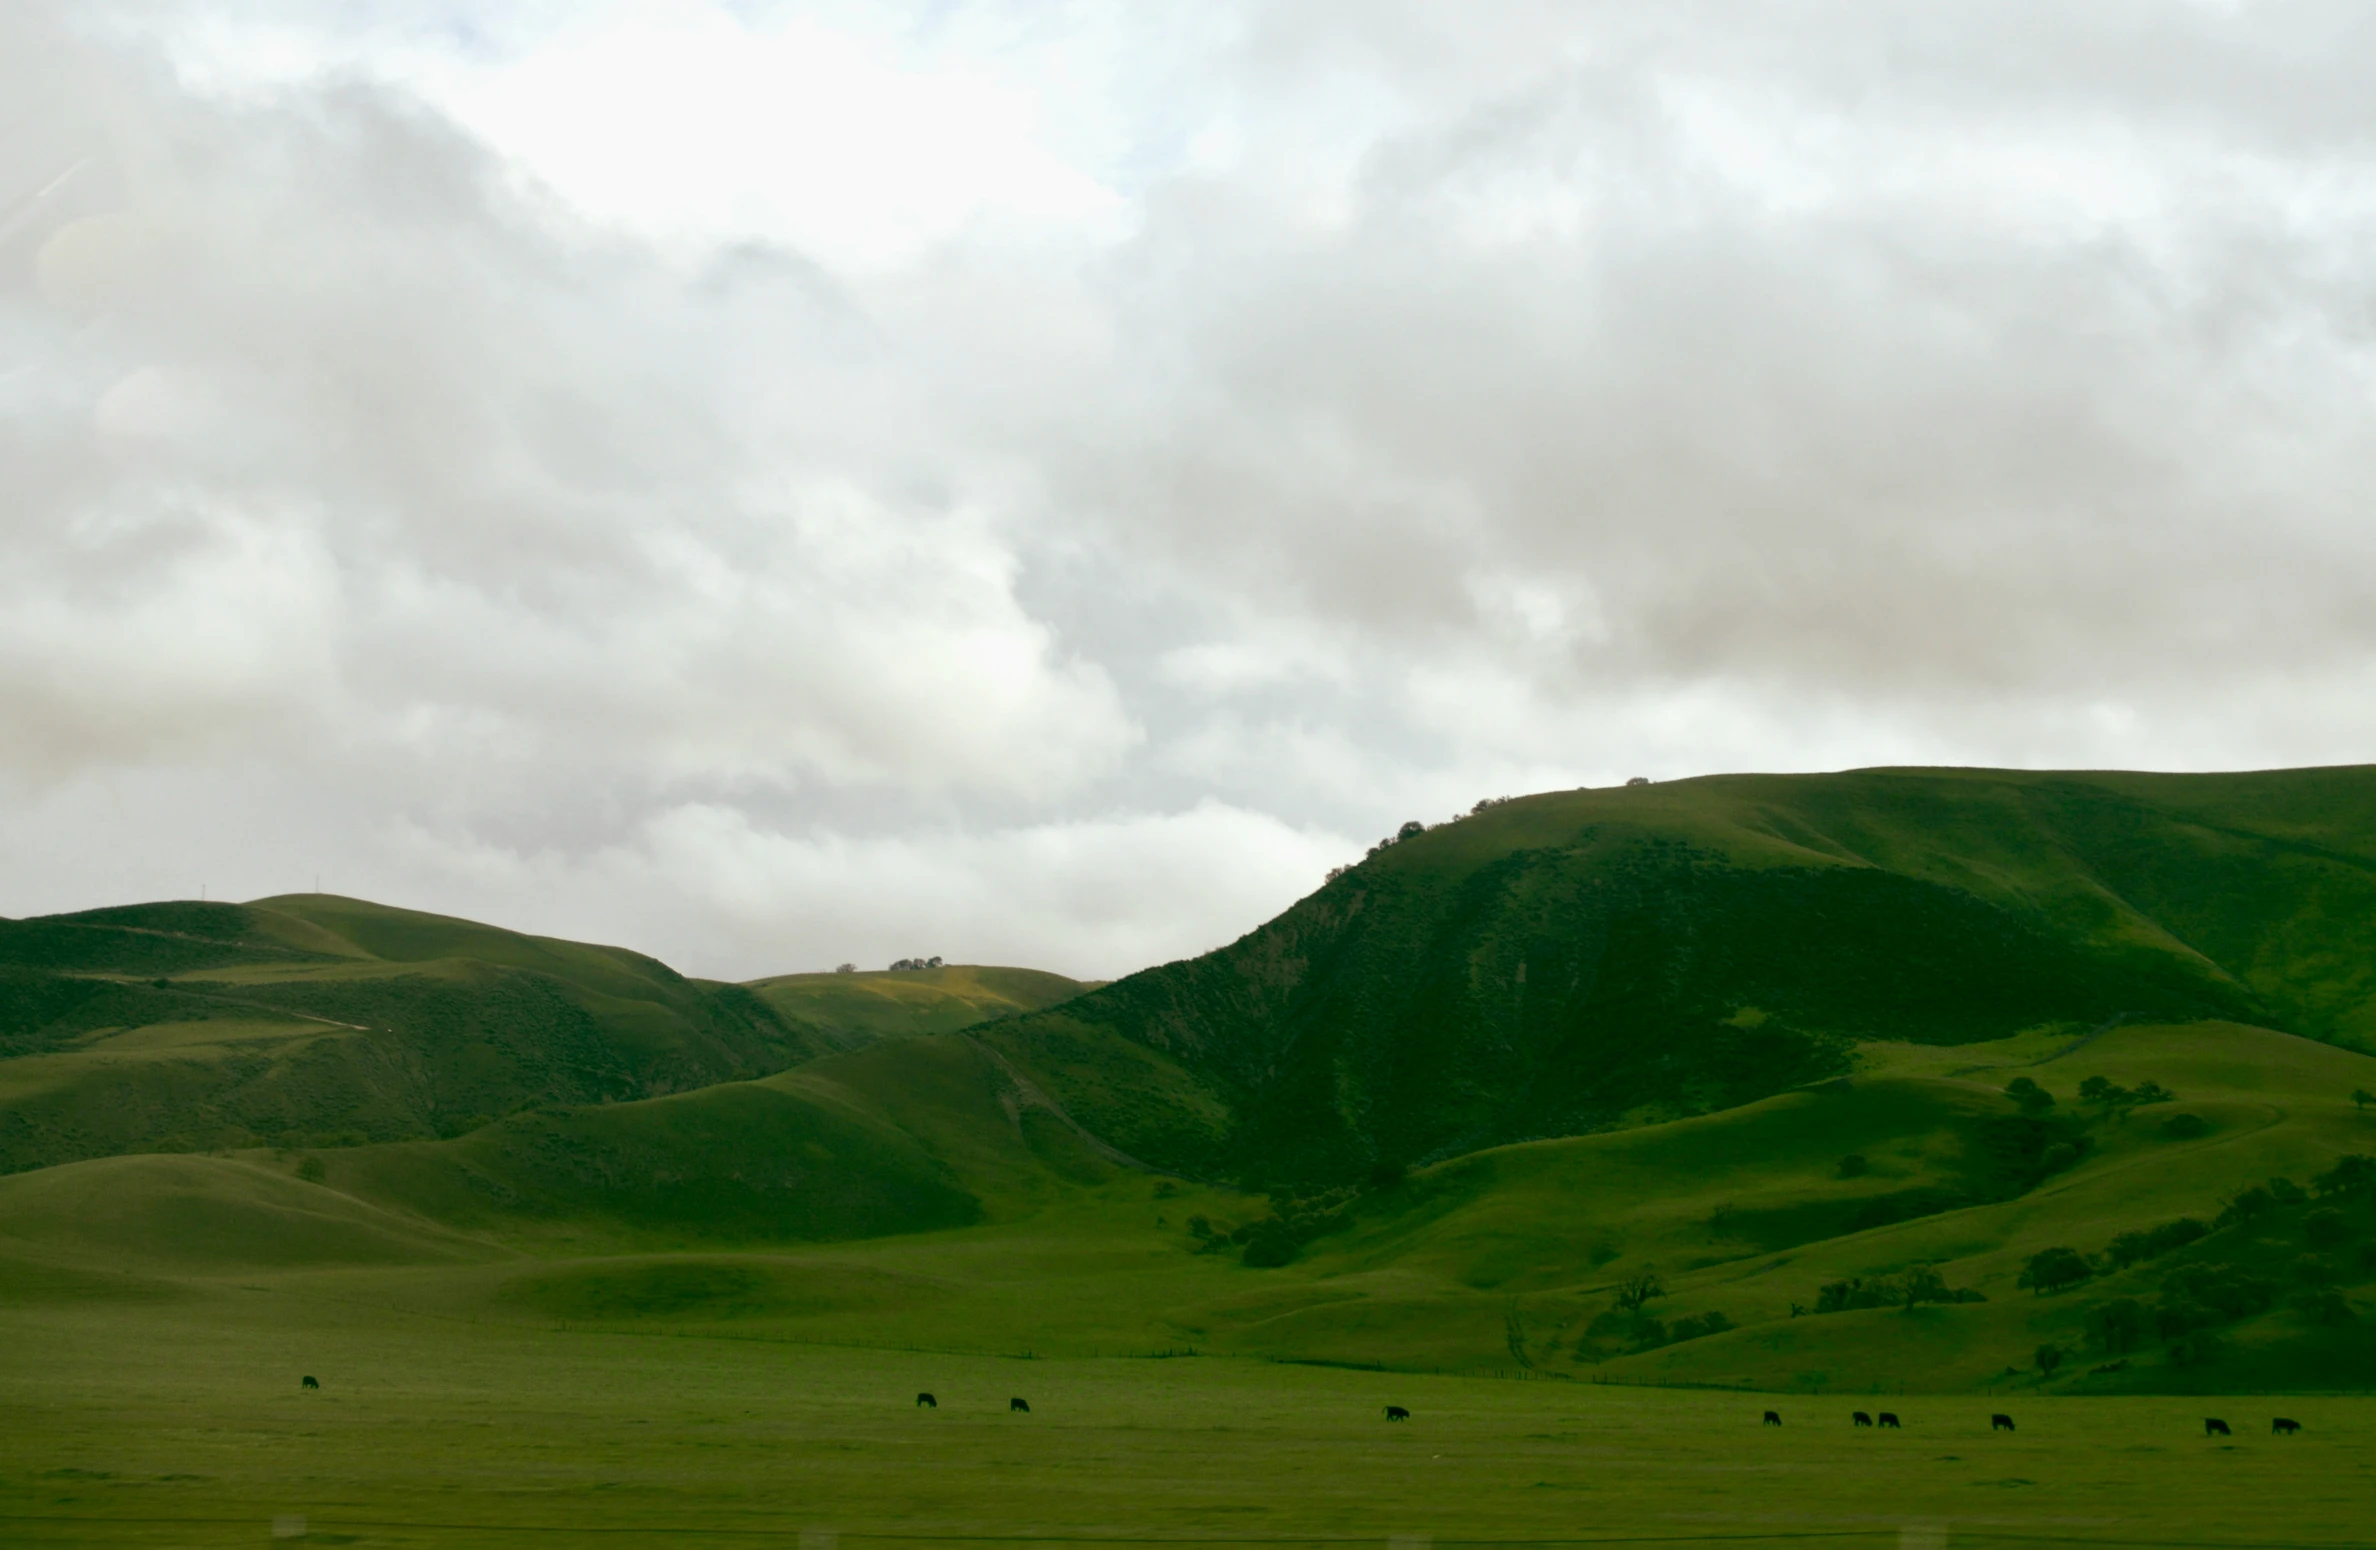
2099	1091
1640	1330
1270	1241
2113	1099
1911	1288
2153	1242
2028	1096
2252	1276
1410	829
1630	1326
916	963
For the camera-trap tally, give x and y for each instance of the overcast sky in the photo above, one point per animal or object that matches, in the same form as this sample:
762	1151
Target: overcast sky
771	484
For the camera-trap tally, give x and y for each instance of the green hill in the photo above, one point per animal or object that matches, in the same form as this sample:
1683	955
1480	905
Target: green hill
898	1003
318	1021
1567	963
1801	1083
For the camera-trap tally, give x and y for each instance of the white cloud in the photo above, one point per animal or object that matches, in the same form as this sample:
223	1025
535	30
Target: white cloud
937	469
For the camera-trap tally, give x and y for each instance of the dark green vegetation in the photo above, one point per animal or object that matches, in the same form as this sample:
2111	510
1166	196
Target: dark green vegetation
1814	1084
1568	962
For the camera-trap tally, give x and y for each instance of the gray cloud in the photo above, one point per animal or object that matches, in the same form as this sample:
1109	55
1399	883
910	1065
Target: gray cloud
1434	403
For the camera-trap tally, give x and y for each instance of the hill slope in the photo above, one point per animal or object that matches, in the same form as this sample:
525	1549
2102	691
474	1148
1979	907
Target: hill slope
319	1021
898	1003
1568	962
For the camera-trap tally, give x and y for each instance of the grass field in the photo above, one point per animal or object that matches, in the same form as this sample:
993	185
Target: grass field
587	1252
136	1423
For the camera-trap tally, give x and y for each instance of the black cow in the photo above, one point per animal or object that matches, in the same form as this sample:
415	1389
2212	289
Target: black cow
1397	1413
2000	1423
1773	1418
1014	1405
1862	1419
927	1402
2213	1426
309	1381
2285	1425
1890	1420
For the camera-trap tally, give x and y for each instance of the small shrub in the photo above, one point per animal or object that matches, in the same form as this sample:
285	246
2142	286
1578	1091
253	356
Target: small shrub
2029	1096
1695	1326
2325	1305
2047	1358
310	1169
1270	1243
1853	1166
2185	1127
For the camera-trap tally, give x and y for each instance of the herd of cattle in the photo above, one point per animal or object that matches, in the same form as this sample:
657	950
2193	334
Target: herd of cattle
2283	1426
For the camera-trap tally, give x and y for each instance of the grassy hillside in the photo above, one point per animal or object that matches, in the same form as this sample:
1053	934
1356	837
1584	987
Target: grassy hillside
920	1194
316	1021
899	1003
1570	962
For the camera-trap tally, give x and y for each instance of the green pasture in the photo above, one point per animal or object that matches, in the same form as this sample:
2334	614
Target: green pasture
180	1422
901	1196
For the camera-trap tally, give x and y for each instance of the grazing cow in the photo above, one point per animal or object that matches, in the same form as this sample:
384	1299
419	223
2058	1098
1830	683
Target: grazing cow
309	1381
2285	1425
1890	1420
1862	1419
1773	1418
1014	1405
927	1402
1397	1413
2000	1423
2213	1426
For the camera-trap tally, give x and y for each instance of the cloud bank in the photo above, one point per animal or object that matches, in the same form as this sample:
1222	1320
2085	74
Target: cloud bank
790	483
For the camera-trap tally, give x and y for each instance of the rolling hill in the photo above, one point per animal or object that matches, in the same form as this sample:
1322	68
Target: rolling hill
319	1021
1788	1082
